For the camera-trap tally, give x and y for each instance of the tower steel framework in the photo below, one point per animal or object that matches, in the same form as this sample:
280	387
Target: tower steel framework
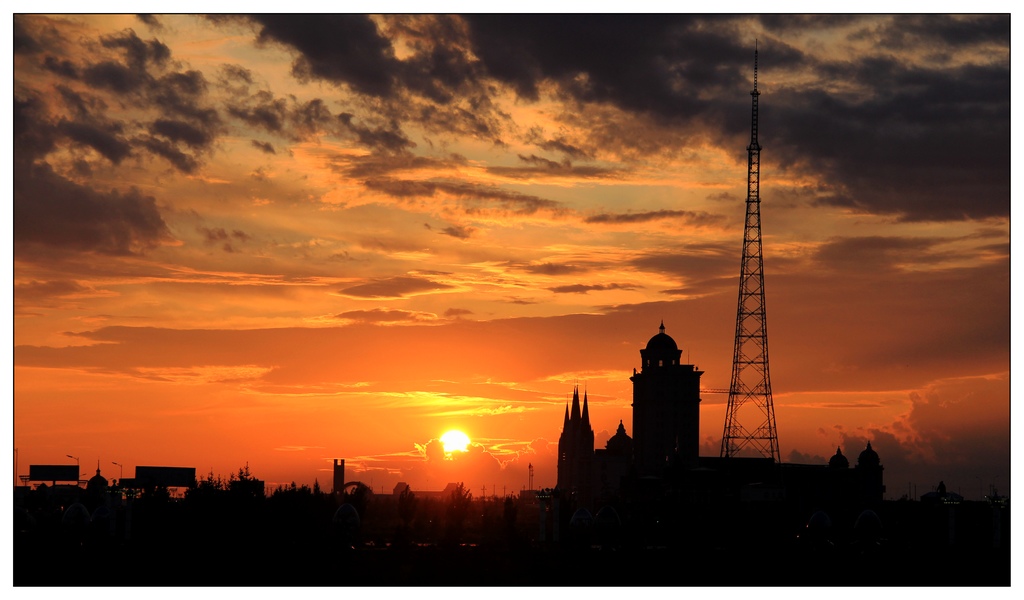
751	385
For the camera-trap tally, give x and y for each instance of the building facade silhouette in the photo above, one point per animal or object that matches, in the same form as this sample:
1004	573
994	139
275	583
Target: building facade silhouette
666	408
576	446
664	452
666	423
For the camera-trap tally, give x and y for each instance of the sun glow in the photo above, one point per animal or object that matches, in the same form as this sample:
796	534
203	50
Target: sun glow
454	441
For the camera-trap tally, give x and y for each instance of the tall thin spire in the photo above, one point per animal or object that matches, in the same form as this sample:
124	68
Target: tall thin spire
586	412
751	385
575	404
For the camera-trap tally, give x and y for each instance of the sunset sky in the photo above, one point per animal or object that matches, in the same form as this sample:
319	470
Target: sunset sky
280	240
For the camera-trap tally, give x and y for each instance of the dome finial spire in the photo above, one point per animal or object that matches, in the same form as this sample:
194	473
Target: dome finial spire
662	328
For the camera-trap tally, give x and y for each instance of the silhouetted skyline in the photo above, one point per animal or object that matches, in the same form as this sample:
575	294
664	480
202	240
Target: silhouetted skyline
278	240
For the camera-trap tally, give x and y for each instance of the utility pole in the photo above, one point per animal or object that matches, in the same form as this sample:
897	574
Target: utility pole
751	385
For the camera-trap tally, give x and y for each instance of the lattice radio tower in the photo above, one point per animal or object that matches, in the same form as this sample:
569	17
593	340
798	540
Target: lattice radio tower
751	385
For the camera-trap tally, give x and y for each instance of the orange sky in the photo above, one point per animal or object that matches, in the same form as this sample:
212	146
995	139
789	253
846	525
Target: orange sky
282	240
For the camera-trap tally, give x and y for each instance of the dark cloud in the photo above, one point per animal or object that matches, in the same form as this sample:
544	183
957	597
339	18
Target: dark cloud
138	51
795	456
136	73
937	31
390	138
24	40
180	131
692	262
34	134
384	315
648	63
441	70
235	74
105	138
580	288
923	144
344	49
879	253
64	68
132	75
52	211
264	146
542	167
151	21
888	149
558	144
220	236
262	110
457	312
41	292
554	269
475	197
395	287
440	85
695	218
184	162
462	232
294	120
378	164
184	94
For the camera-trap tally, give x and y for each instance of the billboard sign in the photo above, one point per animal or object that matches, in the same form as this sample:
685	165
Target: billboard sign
53	473
165	476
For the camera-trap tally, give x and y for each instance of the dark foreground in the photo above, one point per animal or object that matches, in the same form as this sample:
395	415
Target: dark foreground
209	562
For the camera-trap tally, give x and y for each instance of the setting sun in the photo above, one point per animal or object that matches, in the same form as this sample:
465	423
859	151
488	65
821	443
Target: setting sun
454	440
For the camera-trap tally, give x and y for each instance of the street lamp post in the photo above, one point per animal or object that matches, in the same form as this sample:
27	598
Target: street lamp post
79	465
120	475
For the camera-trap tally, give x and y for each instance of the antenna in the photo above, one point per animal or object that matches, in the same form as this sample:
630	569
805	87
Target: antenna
751	384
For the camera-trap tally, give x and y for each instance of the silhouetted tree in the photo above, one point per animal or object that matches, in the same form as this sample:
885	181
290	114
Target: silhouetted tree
406	506
456	510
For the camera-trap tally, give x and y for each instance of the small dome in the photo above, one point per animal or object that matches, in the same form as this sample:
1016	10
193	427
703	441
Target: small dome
819	521
76	515
97	482
608	517
346	518
581	518
868	526
839	461
868	458
102	514
620	443
662	342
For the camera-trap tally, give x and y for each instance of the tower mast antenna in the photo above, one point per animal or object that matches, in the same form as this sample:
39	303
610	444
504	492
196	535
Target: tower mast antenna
751	385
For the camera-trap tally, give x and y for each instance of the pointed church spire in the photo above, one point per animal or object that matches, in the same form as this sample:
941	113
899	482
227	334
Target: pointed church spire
576	404
586	412
662	328
566	422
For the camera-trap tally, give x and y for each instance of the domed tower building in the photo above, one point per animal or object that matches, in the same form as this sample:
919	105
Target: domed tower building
869	475
666	408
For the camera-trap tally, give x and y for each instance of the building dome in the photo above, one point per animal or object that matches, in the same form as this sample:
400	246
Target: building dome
346	519
819	521
96	483
868	458
662	342
839	461
868	526
620	443
581	518
608	518
76	515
